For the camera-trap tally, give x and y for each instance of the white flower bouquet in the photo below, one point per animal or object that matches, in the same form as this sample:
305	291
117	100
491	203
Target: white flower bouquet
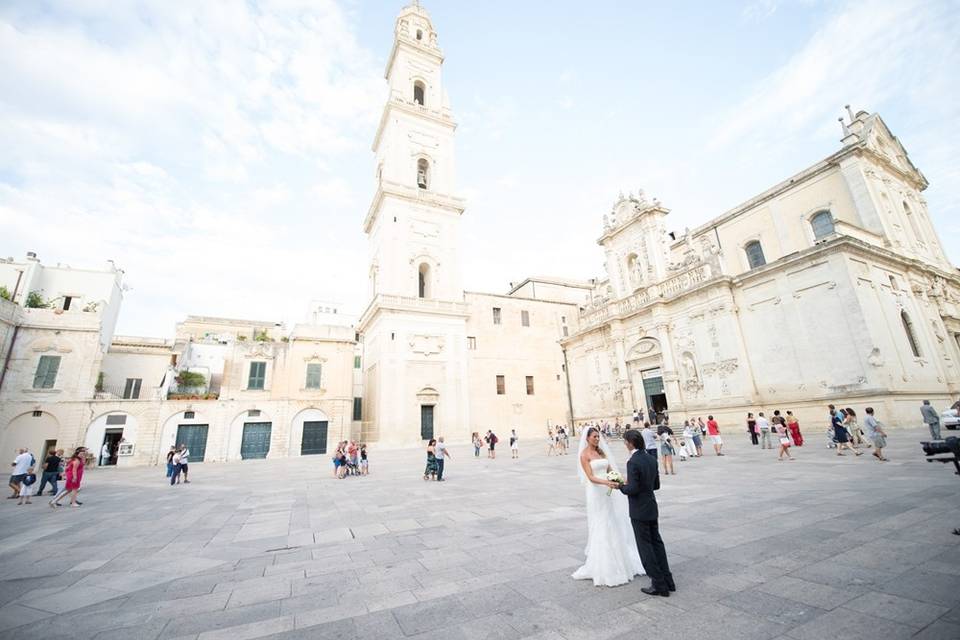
613	476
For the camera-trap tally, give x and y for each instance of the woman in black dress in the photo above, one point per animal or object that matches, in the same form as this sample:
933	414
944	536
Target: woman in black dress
431	469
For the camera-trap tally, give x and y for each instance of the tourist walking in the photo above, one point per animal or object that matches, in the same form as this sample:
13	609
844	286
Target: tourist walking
491	444
170	454
764	426
793	426
478	444
649	439
714	430
185	463
440	450
840	431
853	428
931	418
73	477
551	443
752	429
430	471
875	434
780	424
20	464
175	477
514	444
26	486
666	449
51	473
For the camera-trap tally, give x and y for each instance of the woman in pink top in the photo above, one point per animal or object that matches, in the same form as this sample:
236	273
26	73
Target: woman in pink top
73	474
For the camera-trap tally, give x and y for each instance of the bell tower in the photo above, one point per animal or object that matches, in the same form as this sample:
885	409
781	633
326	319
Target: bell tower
414	329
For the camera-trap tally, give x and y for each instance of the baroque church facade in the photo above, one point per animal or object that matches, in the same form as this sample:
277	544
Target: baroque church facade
830	287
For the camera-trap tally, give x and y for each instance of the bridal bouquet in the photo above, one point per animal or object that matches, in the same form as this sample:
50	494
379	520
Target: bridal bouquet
613	476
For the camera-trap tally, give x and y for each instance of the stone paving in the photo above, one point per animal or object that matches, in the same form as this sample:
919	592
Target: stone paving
808	550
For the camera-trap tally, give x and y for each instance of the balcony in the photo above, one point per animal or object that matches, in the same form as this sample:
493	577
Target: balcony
191	393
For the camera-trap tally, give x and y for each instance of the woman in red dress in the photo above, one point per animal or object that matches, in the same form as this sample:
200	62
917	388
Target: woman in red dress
793	426
73	474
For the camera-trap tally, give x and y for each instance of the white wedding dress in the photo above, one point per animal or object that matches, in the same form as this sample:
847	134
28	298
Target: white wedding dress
612	556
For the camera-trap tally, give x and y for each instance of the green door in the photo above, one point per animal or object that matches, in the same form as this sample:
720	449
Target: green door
195	437
426	421
314	438
256	440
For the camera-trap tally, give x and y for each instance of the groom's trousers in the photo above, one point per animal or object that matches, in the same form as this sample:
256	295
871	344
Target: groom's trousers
652	553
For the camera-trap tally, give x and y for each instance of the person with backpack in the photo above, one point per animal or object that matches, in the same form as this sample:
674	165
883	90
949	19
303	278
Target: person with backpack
491	444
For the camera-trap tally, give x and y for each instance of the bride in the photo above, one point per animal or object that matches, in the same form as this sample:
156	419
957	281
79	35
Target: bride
612	556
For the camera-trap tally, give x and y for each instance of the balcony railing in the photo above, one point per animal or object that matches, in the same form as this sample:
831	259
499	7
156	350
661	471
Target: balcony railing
124	392
664	290
191	393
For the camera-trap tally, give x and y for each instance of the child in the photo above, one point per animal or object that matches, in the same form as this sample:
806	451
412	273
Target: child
26	486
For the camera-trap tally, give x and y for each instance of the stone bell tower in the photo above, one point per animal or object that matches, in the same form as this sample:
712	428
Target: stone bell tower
414	330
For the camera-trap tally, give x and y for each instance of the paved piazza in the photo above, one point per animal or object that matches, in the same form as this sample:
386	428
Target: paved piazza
816	549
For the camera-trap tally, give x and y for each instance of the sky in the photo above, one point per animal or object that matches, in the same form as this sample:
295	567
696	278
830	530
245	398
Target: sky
219	152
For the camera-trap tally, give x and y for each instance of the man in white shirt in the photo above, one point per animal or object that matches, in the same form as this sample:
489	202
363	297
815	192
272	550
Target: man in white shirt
764	426
105	454
440	451
21	464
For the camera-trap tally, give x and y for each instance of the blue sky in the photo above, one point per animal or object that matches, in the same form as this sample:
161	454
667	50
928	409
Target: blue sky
220	152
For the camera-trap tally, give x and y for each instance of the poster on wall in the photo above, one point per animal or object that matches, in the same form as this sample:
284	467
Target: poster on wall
125	449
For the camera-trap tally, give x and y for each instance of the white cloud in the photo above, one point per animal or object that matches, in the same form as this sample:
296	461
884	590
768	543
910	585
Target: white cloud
184	140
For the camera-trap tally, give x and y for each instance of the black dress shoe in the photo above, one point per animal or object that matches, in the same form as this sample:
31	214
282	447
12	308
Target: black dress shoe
650	591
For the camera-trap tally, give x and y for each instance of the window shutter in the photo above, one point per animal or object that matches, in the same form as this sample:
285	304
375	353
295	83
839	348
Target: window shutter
46	375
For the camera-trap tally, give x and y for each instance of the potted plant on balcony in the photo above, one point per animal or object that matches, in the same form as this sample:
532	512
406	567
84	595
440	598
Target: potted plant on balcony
35	301
190	386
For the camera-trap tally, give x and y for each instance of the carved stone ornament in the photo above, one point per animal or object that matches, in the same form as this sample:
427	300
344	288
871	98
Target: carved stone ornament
721	368
875	359
426	345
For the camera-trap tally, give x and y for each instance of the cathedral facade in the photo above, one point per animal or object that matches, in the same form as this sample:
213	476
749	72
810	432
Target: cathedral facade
830	287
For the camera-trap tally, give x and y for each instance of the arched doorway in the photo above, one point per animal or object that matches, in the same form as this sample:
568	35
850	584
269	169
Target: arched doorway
309	432
427	398
111	438
35	430
250	436
645	361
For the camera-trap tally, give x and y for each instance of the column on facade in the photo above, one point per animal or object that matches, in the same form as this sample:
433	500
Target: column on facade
671	380
743	355
623	382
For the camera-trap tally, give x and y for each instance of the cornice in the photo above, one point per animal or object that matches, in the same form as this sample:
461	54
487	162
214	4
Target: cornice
415	110
450	204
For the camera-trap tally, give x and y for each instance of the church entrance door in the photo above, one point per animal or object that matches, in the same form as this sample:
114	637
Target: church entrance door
653	392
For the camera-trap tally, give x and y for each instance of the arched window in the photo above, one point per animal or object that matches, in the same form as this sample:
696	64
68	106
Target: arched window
423	280
423	173
911	336
822	223
913	222
755	254
418	91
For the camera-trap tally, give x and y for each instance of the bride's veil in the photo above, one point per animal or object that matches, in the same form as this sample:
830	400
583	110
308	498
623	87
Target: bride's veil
604	447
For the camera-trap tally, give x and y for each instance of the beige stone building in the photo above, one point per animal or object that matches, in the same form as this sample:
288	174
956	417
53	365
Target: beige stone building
830	287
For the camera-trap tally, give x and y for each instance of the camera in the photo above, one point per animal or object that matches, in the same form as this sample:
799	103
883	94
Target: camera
949	447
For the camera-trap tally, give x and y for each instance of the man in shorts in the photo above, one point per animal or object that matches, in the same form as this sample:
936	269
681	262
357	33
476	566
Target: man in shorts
21	464
713	430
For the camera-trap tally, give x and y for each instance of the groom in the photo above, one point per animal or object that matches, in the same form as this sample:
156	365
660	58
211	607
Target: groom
642	481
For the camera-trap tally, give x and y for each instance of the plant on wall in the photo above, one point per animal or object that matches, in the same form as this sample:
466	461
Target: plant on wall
261	336
36	301
99	386
189	379
5	293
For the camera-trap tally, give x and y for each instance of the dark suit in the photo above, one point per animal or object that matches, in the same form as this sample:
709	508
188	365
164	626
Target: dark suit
642	480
